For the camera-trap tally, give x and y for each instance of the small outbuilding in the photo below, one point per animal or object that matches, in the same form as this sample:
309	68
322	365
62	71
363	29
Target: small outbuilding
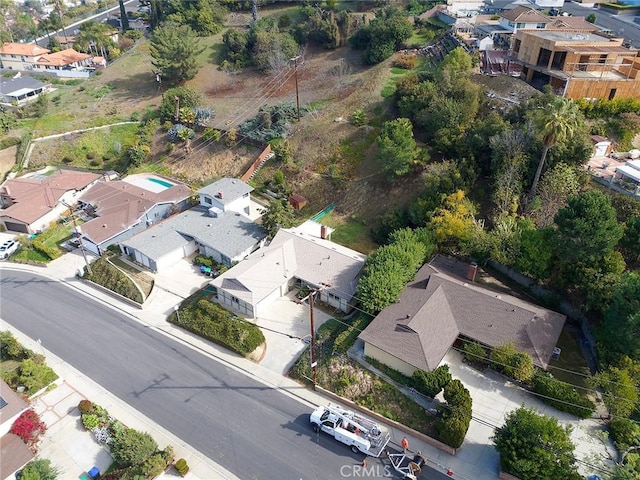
297	201
602	146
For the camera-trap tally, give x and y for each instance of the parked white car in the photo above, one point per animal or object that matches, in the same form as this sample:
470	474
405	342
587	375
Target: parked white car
8	248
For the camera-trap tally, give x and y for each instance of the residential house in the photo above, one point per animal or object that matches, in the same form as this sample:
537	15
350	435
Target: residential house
67	59
578	65
29	204
20	56
440	306
218	227
13	451
123	208
295	258
20	89
523	18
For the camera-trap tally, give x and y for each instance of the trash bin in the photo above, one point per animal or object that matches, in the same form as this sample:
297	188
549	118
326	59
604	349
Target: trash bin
94	473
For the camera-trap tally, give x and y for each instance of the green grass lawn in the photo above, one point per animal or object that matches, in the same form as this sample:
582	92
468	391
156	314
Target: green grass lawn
571	359
350	232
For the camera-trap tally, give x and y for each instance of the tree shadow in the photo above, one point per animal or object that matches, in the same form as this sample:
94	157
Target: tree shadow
141	86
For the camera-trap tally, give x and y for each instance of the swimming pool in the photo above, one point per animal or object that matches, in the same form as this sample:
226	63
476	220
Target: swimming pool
160	182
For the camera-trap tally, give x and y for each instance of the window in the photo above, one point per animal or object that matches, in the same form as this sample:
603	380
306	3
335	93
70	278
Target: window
558	60
516	45
207	200
521	25
584	60
543	57
511	24
541	25
603	58
612	93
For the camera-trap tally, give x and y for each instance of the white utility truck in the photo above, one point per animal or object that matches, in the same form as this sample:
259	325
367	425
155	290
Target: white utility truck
360	433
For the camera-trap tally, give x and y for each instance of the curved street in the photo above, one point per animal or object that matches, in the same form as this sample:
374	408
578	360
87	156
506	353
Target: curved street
249	428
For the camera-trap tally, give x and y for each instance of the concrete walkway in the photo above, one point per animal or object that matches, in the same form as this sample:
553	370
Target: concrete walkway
61	444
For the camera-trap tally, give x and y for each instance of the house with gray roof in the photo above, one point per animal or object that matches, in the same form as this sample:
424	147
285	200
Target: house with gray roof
218	227
295	258
441	306
21	89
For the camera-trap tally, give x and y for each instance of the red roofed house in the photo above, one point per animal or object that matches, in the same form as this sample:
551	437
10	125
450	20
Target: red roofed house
67	59
20	56
30	204
13	451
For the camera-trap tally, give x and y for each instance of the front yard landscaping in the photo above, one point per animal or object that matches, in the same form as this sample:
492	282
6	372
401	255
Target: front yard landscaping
22	369
201	316
112	278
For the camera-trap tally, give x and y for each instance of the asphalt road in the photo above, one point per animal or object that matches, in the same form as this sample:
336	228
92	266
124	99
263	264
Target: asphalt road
252	430
623	28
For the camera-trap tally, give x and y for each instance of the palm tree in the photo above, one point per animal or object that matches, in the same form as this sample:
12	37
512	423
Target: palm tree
556	122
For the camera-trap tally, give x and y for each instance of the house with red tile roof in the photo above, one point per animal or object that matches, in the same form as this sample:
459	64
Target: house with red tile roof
13	451
441	306
67	59
20	56
30	204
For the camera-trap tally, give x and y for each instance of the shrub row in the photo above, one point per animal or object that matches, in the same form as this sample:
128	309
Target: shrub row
347	337
608	108
39	244
105	274
514	364
456	416
9	142
563	396
213	322
431	383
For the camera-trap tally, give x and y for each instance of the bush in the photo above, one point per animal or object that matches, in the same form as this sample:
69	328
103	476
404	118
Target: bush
624	432
181	467
512	363
10	348
35	375
210	133
359	118
475	353
40	469
131	447
347	337
105	274
562	395
153	466
454	424
29	427
431	383
90	421
213	322
408	62
86	407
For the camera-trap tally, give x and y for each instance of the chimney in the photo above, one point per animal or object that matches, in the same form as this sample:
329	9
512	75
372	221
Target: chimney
323	232
220	195
471	272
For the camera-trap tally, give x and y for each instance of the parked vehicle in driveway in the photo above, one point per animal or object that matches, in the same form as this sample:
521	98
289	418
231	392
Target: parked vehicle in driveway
8	248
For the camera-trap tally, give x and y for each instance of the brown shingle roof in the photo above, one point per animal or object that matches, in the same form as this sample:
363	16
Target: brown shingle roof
435	308
14	454
36	196
572	23
14	404
62	58
524	14
25	49
120	205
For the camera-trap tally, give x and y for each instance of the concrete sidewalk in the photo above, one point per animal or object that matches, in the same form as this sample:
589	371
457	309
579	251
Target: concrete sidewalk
74	386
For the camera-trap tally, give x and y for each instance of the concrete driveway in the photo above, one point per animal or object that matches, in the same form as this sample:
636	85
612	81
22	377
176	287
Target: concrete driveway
494	397
285	324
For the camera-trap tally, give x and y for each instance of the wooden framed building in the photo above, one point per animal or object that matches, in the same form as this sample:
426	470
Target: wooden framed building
578	64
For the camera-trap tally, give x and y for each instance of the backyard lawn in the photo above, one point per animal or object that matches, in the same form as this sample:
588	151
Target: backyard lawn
350	232
571	358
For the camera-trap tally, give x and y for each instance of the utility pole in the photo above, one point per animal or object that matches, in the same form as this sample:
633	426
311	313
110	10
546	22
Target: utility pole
295	75
79	232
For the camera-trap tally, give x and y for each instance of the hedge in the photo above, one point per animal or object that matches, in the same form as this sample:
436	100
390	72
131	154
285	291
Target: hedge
214	323
563	396
431	383
456	417
9	142
347	337
105	274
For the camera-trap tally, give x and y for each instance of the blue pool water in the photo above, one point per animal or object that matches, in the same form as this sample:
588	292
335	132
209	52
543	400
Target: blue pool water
160	182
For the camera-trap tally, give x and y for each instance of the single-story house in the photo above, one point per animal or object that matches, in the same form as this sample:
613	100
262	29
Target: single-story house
126	207
440	305
20	56
629	173
30	204
295	258
228	237
13	451
20	89
218	227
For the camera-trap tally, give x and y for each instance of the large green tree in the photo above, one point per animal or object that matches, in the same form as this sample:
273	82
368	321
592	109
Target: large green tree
555	122
175	49
630	241
588	229
398	151
131	447
383	35
279	214
619	333
535	447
